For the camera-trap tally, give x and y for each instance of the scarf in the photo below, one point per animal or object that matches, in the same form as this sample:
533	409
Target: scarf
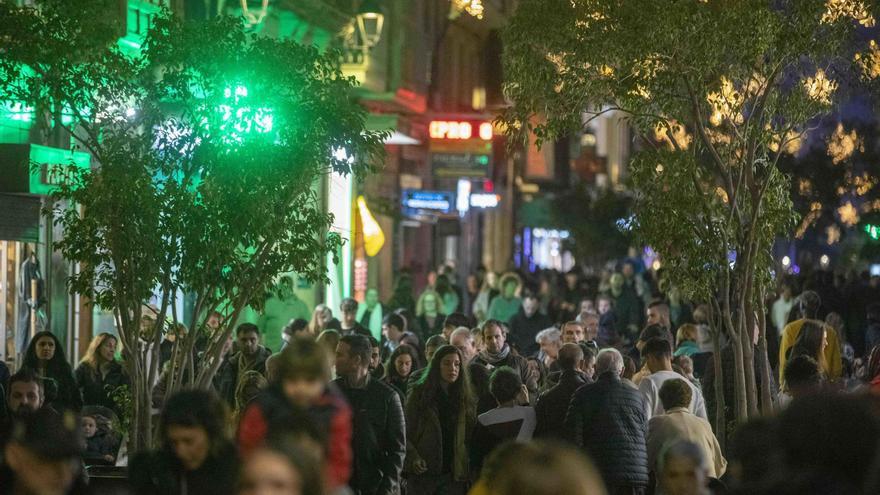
495	357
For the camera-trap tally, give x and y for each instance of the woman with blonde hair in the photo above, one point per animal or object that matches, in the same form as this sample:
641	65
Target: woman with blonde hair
99	373
321	317
686	340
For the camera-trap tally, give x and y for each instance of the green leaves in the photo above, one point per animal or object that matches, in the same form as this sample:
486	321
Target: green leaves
208	144
715	91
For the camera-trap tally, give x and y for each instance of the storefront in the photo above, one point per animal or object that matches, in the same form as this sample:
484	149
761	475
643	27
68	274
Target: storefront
33	276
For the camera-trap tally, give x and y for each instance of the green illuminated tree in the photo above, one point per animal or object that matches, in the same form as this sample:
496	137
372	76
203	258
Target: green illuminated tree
208	144
716	92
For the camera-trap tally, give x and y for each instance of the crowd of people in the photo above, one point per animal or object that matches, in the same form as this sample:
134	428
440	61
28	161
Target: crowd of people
576	383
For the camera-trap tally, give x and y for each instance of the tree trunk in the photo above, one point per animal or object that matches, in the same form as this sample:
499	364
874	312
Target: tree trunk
720	406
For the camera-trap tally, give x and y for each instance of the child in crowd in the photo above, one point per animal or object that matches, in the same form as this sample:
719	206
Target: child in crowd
101	444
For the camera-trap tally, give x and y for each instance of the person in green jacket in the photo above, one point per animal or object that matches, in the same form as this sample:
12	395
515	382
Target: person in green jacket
504	307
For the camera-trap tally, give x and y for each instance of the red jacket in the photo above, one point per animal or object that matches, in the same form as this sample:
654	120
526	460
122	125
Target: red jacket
271	413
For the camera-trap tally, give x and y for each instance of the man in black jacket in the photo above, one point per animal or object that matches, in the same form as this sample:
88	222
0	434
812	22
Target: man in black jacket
526	324
553	404
608	420
498	353
379	432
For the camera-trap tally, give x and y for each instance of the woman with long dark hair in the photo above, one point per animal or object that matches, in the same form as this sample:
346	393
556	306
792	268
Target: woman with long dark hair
811	342
45	358
99	374
399	367
440	414
196	455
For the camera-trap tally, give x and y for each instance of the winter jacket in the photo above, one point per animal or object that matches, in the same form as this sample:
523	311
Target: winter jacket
424	331
553	404
97	388
679	424
519	364
235	371
523	330
378	437
100	445
425	437
607	420
160	473
271	414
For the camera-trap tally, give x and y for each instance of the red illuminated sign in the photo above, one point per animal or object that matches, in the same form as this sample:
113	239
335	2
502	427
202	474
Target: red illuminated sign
460	130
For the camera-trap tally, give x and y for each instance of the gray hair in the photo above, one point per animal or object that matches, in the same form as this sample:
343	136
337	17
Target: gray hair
609	360
683	449
462	331
586	315
551	334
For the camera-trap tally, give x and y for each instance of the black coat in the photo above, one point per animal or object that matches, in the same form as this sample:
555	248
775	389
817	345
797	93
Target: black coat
553	404
607	419
523	330
97	389
378	437
160	473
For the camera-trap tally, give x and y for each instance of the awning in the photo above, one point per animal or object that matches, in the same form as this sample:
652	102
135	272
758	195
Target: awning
390	122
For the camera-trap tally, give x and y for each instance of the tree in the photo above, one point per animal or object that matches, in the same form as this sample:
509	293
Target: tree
208	142
594	222
716	92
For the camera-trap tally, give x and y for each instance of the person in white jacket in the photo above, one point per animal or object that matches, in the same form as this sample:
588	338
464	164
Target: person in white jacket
658	358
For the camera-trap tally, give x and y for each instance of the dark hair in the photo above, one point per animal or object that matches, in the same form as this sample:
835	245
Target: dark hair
569	356
658	302
428	388
809	341
24	375
395	320
456	320
675	393
802	371
656	332
246	328
373	342
303	358
57	366
658	348
348	304
808	303
295	325
443	286
294	449
196	408
435	341
401	350
505	384
493	323
358	346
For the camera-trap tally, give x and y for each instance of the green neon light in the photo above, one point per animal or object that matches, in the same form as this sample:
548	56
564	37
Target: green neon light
239	119
873	231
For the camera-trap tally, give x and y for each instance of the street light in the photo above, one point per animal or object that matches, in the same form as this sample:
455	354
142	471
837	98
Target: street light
369	22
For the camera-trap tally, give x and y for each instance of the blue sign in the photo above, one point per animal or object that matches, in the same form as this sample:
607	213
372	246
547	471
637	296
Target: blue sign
416	200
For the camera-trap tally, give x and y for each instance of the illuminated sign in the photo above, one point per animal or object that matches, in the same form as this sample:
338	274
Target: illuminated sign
437	201
460	130
461	164
485	200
